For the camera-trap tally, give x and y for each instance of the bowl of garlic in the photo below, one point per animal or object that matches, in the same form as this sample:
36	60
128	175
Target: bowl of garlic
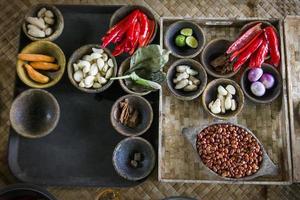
43	22
223	98
186	79
91	67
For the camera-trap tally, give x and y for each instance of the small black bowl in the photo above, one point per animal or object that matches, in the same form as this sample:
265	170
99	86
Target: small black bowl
271	94
202	76
124	153
211	51
34	113
184	52
25	191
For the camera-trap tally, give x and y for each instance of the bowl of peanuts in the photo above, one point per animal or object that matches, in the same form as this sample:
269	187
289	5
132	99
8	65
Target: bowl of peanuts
230	151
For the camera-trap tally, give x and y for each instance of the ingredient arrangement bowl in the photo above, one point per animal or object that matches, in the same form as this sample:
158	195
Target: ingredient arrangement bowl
125	10
34	113
251	24
271	94
210	94
127	85
57	27
124	153
210	52
46	48
182	52
78	55
145	115
202	76
25	191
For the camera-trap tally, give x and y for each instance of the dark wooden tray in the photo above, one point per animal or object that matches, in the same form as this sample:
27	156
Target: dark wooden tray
79	151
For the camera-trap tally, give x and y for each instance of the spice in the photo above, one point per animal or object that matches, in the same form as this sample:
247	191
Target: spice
136	161
129	115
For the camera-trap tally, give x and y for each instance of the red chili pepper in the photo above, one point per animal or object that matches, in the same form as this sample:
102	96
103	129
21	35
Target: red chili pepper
151	31
236	53
245	55
273	44
259	55
143	19
244	39
135	39
119	49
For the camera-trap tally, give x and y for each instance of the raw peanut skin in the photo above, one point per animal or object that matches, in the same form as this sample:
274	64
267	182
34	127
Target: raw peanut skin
44	65
35	75
35	57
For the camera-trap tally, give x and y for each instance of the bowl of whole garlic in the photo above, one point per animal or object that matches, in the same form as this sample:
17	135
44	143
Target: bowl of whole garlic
223	98
91	67
186	79
43	22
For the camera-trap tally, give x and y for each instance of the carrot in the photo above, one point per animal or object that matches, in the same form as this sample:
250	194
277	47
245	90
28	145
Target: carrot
35	57
44	65
35	75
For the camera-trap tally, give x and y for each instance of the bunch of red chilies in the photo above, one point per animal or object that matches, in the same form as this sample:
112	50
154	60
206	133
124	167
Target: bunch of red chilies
135	30
255	44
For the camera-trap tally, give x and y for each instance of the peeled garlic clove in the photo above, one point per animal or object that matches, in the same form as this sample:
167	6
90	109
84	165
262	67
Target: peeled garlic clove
86	69
104	56
105	68
191	72
78	76
95	56
35	32
210	104
231	89
182	76
94	70
181	68
110	62
190	82
222	91
84	63
75	67
181	84
41	13
81	84
87	58
175	80
109	73
222	99
35	21
95	50
100	63
97	85
228	103
49	20
233	105
216	107
48	31
102	80
194	80
190	88
49	14
89	81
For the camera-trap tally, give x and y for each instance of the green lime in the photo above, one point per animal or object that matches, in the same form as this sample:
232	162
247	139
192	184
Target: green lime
180	40
186	32
191	41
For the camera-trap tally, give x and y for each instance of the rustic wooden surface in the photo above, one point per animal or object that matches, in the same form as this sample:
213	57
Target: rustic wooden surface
10	18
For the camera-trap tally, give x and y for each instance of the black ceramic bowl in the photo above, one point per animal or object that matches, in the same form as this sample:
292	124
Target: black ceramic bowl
184	52
124	153
271	94
34	113
202	76
211	51
145	114
25	191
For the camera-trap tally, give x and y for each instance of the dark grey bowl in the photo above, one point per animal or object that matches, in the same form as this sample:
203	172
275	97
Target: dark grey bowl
124	152
202	76
210	94
211	51
251	24
271	94
125	84
125	10
25	191
57	27
184	52
77	55
145	111
34	113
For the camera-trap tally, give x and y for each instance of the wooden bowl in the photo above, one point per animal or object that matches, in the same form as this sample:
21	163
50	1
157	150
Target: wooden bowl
125	10
183	52
145	114
127	84
77	55
202	76
123	154
210	94
271	94
34	113
57	27
212	50
47	48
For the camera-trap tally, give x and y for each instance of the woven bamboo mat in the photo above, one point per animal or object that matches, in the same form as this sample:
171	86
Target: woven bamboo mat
11	14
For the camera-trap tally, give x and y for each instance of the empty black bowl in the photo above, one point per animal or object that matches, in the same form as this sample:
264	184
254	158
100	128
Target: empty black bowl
184	52
124	153
34	113
271	94
25	191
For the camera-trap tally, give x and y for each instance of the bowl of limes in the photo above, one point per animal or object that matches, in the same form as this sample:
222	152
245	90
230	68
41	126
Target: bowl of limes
185	39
